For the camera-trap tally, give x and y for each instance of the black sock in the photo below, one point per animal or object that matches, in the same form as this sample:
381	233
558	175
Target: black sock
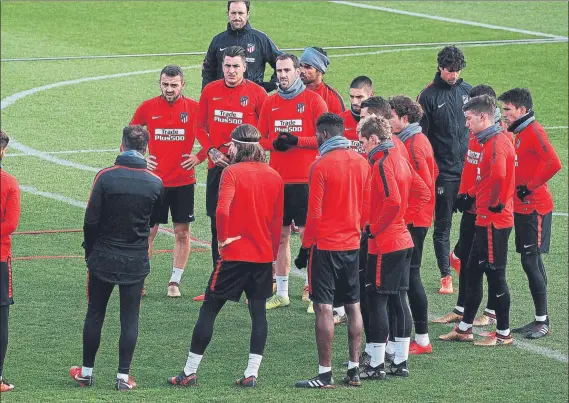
203	330
4	314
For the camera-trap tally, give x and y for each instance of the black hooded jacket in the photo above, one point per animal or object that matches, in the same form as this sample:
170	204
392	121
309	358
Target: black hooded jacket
259	47
444	124
123	206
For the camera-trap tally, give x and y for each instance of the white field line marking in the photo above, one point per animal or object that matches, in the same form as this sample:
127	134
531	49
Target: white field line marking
556	127
387	45
445	19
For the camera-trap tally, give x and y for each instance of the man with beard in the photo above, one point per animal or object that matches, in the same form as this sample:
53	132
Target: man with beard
361	89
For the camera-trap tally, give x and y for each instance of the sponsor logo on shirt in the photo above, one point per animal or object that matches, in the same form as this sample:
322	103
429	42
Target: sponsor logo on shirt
170	134
472	157
291	125
357	146
184	117
250	60
232	117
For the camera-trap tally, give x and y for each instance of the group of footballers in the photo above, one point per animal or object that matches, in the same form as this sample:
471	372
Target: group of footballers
359	184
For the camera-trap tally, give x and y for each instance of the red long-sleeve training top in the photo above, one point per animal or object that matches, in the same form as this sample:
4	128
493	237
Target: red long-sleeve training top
9	212
350	132
339	185
297	116
251	205
331	97
536	163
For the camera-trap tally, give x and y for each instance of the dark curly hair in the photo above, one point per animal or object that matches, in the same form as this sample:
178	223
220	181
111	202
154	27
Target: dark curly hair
405	106
451	58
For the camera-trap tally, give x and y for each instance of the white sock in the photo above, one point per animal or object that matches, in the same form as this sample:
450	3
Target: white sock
369	348
340	310
192	363
541	318
459	309
401	349
504	333
253	366
463	327
323	370
282	286
377	354
390	348
306	278
122	377
352	364
86	371
422	339
490	311
176	275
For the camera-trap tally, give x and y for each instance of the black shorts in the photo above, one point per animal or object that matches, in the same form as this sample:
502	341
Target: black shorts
533	231
230	279
180	202
295	205
6	297
212	190
389	273
333	276
489	248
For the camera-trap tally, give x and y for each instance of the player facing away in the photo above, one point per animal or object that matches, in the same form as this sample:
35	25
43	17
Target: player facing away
494	221
224	105
9	218
170	119
396	190
123	207
536	163
249	219
337	208
288	126
405	116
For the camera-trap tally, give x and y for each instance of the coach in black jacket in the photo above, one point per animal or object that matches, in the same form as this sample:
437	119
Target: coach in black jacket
445	126
259	47
123	206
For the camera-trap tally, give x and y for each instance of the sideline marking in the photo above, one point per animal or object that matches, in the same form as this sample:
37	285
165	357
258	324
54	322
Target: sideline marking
445	19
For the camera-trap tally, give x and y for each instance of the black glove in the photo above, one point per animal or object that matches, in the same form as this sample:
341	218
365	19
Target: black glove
364	237
463	202
523	191
268	85
301	260
288	138
497	208
367	230
280	145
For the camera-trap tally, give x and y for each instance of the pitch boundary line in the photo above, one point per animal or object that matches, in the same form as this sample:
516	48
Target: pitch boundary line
346	47
446	19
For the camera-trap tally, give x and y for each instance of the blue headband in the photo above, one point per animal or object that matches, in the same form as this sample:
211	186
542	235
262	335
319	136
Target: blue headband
314	58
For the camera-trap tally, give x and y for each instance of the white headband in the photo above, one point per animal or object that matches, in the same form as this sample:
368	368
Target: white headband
244	142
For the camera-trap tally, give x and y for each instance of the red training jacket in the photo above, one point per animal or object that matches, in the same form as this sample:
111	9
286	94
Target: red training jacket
331	97
297	116
536	163
350	132
9	212
338	203
251	205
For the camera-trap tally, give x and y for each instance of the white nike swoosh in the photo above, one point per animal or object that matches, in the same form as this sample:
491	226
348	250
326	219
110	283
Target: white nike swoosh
274	109
216	99
481	261
222	49
156	117
191	216
527	246
441	105
349	128
498	296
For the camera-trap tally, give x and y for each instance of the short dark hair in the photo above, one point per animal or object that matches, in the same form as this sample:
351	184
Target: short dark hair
285	56
134	137
374	125
361	82
481	104
247	4
482	89
378	106
405	106
331	123
518	97
4	140
253	152
235	51
451	58
172	71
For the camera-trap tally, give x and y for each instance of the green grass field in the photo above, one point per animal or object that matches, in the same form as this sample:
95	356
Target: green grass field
46	321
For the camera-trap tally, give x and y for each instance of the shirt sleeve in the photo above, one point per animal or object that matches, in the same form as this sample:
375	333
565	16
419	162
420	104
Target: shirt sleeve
498	173
264	127
12	209
139	117
226	195
425	123
389	199
550	163
315	199
93	216
420	166
318	108
277	224
209	67
419	194
272	52
366	203
201	127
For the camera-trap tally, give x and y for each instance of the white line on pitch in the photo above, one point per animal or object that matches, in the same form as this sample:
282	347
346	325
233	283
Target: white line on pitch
445	19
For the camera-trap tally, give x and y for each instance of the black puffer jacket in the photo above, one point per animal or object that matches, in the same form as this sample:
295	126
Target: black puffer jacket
259	47
123	206
444	124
